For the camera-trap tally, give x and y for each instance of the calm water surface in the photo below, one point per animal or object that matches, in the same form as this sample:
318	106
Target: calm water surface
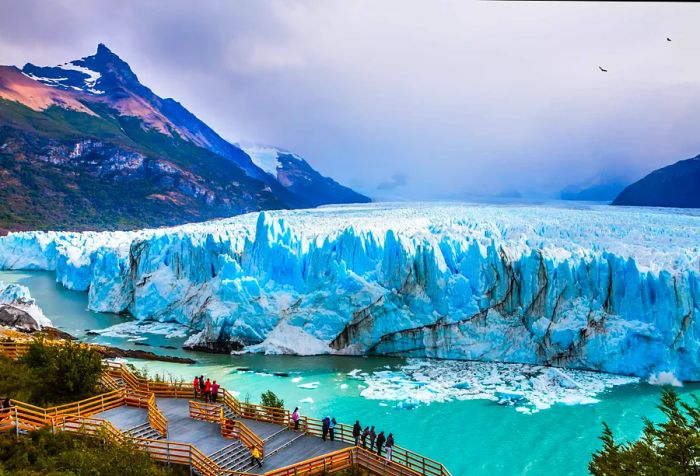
474	437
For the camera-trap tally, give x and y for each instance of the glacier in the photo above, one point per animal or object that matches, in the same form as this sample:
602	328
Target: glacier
19	311
601	288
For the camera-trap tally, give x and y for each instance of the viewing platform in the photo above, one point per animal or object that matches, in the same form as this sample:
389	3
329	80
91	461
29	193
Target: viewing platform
212	439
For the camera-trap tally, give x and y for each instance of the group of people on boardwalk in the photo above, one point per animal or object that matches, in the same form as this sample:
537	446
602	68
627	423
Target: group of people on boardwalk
377	442
380	441
207	390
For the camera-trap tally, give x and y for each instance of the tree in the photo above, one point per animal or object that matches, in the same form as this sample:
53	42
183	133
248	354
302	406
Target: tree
269	399
668	448
67	371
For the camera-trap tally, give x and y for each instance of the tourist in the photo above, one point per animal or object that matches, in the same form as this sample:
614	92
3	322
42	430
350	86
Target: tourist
214	391
201	386
6	403
389	446
326	424
331	429
195	386
356	431
365	434
207	391
380	442
255	457
295	418
372	437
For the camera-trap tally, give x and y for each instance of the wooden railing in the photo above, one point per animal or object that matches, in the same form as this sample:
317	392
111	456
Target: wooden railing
326	464
204	411
168	452
156	418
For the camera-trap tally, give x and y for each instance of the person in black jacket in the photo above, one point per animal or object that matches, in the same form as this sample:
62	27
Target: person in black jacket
389	446
326	427
365	434
380	442
372	437
356	431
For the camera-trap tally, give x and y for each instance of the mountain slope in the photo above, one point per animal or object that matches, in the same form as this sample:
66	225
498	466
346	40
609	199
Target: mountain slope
676	185
85	145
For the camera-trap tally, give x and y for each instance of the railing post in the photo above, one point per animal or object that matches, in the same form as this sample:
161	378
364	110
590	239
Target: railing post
16	423
103	401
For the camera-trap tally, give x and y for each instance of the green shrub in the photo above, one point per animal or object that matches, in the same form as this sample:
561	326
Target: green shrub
69	371
64	454
269	399
51	374
668	448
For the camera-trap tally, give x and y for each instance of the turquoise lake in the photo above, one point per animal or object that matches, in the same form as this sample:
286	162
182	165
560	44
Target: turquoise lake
471	437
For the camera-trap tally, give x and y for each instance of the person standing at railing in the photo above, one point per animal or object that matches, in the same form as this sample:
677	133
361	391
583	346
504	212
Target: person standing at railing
380	442
325	426
389	446
201	386
295	418
214	391
365	434
356	432
195	386
372	437
255	457
207	391
331	429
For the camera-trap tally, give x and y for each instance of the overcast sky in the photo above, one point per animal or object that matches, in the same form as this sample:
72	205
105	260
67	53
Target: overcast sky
413	99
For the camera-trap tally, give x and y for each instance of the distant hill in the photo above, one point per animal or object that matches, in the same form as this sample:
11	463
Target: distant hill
85	145
599	192
676	185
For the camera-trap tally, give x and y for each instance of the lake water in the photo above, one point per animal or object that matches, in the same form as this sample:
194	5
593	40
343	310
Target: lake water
471	437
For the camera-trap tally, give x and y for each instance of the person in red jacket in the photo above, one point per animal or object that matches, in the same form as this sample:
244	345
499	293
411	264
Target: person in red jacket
207	390
195	385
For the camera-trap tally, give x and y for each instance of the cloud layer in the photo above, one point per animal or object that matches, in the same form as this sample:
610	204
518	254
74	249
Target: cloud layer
463	98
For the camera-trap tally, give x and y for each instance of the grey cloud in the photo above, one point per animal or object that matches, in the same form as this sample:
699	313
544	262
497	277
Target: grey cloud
475	96
396	181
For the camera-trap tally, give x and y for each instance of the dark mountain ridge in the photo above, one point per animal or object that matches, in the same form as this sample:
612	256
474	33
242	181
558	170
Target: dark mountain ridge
85	145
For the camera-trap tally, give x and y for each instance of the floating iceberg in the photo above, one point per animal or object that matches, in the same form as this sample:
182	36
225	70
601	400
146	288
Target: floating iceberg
529	387
601	288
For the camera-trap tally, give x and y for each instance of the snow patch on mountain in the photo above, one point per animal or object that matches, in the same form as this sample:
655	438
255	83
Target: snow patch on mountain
266	157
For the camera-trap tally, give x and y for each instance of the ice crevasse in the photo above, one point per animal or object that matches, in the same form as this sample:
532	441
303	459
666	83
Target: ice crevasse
600	288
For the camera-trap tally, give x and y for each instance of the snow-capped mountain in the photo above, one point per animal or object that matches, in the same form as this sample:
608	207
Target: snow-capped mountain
48	115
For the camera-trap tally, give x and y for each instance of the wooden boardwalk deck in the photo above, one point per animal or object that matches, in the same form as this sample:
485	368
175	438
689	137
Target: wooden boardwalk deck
282	446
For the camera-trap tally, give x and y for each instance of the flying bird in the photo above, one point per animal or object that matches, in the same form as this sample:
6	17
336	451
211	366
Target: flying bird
668	39
603	70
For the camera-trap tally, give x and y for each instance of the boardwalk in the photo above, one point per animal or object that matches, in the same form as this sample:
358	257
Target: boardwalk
160	419
282	446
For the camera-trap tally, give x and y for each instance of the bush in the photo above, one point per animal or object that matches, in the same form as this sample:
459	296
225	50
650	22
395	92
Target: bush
669	448
51	374
42	453
269	399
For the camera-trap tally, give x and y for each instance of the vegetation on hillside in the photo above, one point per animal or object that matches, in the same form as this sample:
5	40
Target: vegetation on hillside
52	374
67	454
668	448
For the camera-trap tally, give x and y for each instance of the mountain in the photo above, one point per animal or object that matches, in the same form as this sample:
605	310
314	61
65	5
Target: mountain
85	145
676	185
603	191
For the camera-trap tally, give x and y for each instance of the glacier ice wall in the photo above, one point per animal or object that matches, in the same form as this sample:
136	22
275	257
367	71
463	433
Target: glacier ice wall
601	288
